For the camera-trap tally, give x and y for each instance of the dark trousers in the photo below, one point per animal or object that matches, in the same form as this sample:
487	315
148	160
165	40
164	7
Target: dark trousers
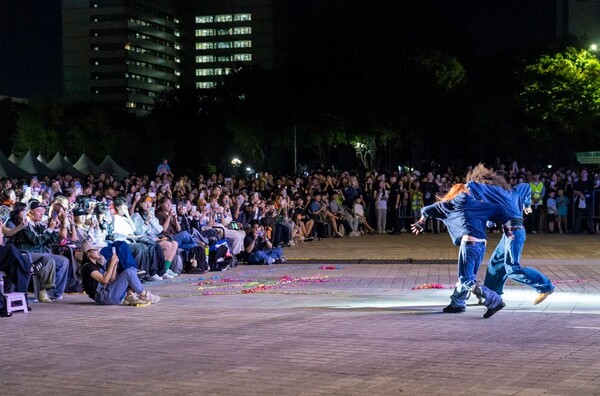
16	267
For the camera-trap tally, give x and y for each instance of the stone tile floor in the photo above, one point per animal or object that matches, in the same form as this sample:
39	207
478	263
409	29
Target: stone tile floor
355	329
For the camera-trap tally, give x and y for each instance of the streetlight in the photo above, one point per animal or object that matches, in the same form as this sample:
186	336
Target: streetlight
236	162
594	47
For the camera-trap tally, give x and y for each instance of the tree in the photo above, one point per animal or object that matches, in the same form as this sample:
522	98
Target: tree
564	89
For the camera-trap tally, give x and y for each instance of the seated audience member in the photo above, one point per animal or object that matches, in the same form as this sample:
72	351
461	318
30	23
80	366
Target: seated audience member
321	214
13	264
301	215
147	253
358	211
219	217
344	214
36	237
146	224
168	218
259	249
103	285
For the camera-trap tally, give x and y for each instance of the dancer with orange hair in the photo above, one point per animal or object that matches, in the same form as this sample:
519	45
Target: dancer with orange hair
465	218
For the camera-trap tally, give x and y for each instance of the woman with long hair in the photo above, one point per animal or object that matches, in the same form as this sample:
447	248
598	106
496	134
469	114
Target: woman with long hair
465	218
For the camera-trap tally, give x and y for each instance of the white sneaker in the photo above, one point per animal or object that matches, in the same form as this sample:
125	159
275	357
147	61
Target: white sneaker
173	274
149	297
167	276
156	277
132	299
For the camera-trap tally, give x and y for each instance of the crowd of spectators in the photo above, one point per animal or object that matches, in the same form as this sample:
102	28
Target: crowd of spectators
158	220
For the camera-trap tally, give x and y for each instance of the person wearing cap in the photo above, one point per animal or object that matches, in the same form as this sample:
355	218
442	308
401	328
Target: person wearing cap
37	238
103	285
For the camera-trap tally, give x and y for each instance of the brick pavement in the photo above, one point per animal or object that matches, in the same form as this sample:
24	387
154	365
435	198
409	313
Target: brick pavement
357	329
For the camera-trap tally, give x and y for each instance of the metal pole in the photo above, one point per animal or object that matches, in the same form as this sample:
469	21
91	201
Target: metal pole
295	152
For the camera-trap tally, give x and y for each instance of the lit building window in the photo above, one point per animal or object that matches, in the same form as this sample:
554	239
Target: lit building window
224	44
242	30
205	46
205	32
130	105
205	72
242	44
205	84
205	19
242	17
224	18
242	57
205	58
224	58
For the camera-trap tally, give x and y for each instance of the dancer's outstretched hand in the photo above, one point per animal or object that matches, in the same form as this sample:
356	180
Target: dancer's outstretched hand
417	228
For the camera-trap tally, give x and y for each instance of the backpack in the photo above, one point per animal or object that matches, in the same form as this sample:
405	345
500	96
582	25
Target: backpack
220	257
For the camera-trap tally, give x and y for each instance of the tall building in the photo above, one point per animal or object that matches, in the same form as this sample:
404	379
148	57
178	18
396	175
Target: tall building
122	52
221	35
130	52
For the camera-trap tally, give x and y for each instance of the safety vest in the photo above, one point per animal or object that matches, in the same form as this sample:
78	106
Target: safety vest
536	192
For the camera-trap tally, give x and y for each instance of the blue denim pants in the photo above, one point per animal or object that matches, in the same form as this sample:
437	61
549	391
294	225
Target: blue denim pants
265	256
505	263
470	255
115	292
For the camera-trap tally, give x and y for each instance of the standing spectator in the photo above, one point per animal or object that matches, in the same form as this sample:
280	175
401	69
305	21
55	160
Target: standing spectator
583	190
164	169
562	211
552	211
430	190
394	205
381	203
538	191
416	199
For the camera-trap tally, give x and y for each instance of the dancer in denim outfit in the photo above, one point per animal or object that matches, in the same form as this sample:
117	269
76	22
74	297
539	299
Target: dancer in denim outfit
504	263
465	219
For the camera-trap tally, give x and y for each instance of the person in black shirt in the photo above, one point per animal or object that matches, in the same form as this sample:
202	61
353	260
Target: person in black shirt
583	190
103	285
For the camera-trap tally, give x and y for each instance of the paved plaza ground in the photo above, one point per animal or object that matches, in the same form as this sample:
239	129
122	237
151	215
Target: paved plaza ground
336	319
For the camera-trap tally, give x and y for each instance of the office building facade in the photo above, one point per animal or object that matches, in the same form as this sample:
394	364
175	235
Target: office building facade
125	53
130	53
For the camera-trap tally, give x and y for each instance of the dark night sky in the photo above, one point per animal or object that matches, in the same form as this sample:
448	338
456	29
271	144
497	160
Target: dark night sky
30	33
30	48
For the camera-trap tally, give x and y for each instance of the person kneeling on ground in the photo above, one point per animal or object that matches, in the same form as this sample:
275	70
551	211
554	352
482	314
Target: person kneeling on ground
103	285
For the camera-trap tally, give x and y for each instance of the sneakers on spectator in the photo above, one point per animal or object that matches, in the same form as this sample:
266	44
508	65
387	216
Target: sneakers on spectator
280	260
403	230
156	277
43	296
141	272
173	274
132	299
146	296
269	261
167	276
